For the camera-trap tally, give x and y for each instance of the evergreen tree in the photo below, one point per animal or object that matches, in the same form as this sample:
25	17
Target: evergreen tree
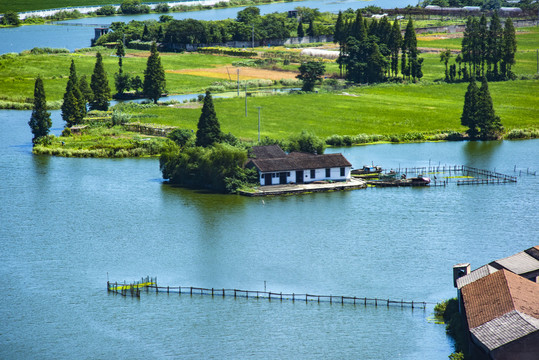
358	29
482	46
301	33
469	111
145	33
310	30
85	89
40	121
489	124
100	86
154	76
495	44
509	49
74	104
384	31
395	43
467	44
120	52
209	130
339	36
411	65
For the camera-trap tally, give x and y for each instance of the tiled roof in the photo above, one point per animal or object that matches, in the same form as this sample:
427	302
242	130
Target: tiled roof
268	152
497	294
297	161
504	329
520	263
475	275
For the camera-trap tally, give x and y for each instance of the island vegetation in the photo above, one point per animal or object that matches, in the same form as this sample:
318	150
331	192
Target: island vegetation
343	110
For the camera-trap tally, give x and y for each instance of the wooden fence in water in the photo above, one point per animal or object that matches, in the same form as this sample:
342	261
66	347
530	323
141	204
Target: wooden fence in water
150	284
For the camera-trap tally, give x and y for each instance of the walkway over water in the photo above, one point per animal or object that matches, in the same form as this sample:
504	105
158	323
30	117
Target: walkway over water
150	284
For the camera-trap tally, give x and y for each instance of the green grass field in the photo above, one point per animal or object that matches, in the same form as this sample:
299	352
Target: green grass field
384	110
29	5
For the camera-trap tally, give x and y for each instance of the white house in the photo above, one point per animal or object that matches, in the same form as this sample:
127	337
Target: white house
276	167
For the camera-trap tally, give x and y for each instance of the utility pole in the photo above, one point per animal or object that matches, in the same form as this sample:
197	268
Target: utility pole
259	107
245	99
253	37
238	82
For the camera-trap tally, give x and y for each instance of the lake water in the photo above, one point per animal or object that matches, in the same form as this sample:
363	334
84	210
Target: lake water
76	37
69	224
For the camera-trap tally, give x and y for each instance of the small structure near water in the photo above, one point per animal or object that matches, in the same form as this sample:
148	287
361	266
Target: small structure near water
500	306
275	167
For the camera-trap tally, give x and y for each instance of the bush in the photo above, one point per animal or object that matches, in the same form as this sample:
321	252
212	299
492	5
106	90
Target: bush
66	132
120	118
106	10
48	50
181	136
162	8
306	142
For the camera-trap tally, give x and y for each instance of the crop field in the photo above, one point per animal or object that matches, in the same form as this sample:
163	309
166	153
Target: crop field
383	110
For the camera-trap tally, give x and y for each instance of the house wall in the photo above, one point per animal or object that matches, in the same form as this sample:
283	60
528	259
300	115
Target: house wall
319	175
525	348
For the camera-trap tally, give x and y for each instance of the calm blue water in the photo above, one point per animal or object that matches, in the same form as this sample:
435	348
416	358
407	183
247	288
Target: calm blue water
67	224
76	37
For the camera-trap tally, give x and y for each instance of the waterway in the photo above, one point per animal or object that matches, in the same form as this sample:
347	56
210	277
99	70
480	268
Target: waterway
68	225
76	37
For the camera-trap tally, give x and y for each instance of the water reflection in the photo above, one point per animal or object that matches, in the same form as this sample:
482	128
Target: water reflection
481	153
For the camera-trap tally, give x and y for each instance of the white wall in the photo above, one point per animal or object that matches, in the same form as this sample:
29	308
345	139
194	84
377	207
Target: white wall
320	175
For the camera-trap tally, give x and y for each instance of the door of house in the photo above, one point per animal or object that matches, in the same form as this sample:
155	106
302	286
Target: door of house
268	179
299	177
282	178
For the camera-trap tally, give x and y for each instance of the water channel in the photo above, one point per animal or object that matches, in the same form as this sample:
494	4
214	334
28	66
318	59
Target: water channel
69	224
76	37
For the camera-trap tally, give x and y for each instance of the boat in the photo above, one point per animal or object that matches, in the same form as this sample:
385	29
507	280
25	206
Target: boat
390	175
367	171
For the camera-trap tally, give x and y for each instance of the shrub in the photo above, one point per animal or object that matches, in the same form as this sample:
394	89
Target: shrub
106	10
48	50
66	132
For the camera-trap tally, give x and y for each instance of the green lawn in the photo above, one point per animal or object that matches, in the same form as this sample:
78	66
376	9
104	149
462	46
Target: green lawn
383	109
29	5
18	73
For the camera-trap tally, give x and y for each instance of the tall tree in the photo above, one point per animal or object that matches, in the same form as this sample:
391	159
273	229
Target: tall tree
509	49
469	111
154	76
208	129
411	65
301	33
395	43
310	73
445	55
339	36
495	42
85	89
482	46
74	104
310	30
489	123
120	52
40	121
100	86
358	29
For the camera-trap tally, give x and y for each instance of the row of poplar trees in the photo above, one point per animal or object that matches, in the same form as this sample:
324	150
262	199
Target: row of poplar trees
489	50
370	52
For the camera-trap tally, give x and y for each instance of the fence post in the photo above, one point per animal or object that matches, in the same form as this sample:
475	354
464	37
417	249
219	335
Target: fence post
223	292
211	292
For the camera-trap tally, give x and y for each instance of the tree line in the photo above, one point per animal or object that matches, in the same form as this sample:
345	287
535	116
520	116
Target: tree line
486	51
249	25
81	96
370	51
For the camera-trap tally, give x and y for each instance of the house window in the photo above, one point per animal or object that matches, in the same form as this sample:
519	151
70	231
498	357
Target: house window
328	173
342	171
288	173
274	175
312	174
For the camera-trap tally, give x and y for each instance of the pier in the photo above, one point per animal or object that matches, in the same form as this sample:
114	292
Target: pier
150	284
